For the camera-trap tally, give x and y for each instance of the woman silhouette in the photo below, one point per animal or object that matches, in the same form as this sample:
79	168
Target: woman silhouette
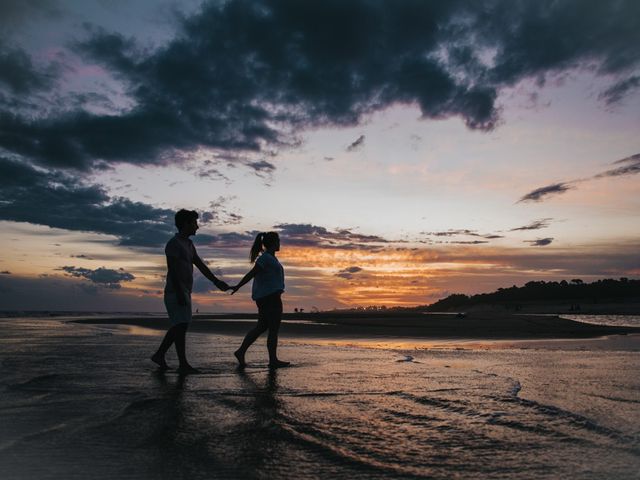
268	285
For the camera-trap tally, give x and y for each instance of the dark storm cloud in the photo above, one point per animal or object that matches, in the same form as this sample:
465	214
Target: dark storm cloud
347	273
248	76
20	76
14	13
105	277
357	144
57	200
541	193
540	242
535	225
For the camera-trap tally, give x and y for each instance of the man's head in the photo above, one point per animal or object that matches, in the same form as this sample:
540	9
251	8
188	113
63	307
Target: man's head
187	221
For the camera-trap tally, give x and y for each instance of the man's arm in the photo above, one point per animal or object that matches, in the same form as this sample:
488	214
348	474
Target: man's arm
197	261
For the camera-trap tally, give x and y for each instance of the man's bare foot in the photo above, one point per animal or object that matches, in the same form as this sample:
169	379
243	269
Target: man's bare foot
278	364
159	360
187	369
240	358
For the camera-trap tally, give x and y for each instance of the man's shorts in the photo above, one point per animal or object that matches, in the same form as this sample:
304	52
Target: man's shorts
177	313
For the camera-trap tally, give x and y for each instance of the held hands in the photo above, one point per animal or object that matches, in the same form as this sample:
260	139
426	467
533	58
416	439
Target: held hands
234	289
221	285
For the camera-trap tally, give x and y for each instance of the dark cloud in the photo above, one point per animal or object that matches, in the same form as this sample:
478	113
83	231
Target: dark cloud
463	232
220	213
312	235
105	277
540	242
347	273
69	293
357	144
18	74
469	242
452	232
57	200
541	193
262	166
14	13
620	90
248	76
535	225
202	284
630	166
234	239
5	272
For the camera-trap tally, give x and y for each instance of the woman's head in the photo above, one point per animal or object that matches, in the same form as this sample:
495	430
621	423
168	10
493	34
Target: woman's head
266	241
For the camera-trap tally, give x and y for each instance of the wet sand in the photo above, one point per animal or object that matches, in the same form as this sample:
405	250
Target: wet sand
83	400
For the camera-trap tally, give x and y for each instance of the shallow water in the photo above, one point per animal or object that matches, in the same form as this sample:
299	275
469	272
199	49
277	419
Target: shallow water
615	320
79	401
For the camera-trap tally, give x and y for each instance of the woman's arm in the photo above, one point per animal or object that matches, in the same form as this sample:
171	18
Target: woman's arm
252	273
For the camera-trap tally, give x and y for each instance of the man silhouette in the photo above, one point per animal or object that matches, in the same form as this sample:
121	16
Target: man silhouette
181	257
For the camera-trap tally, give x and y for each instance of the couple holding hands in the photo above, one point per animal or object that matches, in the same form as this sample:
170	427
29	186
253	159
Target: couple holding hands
268	285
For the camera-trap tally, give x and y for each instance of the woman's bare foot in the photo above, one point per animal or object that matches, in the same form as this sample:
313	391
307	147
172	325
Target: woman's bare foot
278	364
240	357
159	360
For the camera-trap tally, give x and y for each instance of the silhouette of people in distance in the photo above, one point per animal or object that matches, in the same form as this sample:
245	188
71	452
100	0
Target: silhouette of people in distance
181	257
267	289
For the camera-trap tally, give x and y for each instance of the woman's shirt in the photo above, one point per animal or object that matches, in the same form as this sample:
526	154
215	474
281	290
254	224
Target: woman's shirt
269	278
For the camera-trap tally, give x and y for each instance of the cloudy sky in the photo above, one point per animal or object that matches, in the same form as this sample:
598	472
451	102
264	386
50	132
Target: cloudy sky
404	150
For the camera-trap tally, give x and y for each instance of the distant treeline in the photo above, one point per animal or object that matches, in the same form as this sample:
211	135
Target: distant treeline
573	291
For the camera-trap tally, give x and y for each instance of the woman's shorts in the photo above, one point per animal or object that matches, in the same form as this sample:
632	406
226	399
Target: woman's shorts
270	310
177	313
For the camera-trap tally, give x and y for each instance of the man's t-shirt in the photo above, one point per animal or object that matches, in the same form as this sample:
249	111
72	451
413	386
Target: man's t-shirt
270	277
184	251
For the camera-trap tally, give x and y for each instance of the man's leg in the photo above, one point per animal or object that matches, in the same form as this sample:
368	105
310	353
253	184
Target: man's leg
167	341
180	341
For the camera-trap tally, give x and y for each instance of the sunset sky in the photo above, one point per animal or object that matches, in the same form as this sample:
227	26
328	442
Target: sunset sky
404	150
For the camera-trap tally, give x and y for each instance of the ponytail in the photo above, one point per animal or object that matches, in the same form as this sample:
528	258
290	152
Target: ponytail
256	248
264	239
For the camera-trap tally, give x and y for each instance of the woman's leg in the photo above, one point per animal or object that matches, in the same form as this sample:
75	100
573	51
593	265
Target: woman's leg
274	320
251	336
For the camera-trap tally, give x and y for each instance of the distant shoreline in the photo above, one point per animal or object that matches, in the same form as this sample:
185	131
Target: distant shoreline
327	325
